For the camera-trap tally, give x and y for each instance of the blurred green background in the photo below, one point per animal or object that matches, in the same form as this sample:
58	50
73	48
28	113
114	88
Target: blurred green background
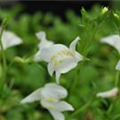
94	76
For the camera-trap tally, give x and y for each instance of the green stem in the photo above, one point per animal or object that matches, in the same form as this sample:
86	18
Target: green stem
78	70
79	110
110	108
86	51
75	82
3	58
117	78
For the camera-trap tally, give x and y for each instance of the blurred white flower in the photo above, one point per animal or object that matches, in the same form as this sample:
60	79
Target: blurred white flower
113	40
9	39
44	43
60	58
49	97
110	93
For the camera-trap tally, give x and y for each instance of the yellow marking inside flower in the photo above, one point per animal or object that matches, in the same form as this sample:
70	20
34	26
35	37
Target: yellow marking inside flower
63	54
50	108
51	100
55	62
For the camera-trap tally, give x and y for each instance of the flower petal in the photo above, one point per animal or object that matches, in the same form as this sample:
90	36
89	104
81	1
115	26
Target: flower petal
118	66
50	68
53	91
35	96
110	93
37	57
66	65
57	115
78	57
9	39
74	43
41	35
63	106
44	42
48	53
113	40
48	104
58	77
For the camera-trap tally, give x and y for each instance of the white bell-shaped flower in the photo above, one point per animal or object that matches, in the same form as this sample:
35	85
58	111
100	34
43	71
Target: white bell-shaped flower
110	93
44	43
60	58
113	40
49	97
9	39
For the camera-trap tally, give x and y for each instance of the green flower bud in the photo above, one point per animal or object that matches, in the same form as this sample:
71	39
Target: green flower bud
116	16
104	10
19	60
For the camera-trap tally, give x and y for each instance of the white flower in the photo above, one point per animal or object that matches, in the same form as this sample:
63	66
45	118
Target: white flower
113	40
43	44
110	93
9	39
49	97
60	58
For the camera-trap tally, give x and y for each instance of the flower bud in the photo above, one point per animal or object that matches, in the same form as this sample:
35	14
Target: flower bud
116	16
110	93
21	60
104	10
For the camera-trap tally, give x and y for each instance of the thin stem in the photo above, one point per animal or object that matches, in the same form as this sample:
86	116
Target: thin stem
110	108
117	78
2	51
75	81
118	28
78	70
87	48
79	110
3	58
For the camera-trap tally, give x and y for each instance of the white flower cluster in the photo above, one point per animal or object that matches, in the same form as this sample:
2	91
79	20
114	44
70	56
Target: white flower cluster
61	59
50	98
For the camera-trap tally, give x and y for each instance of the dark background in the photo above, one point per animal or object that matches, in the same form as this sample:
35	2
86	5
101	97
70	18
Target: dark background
59	7
56	7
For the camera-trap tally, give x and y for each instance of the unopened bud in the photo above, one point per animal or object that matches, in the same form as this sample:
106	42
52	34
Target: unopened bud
104	10
116	16
19	60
